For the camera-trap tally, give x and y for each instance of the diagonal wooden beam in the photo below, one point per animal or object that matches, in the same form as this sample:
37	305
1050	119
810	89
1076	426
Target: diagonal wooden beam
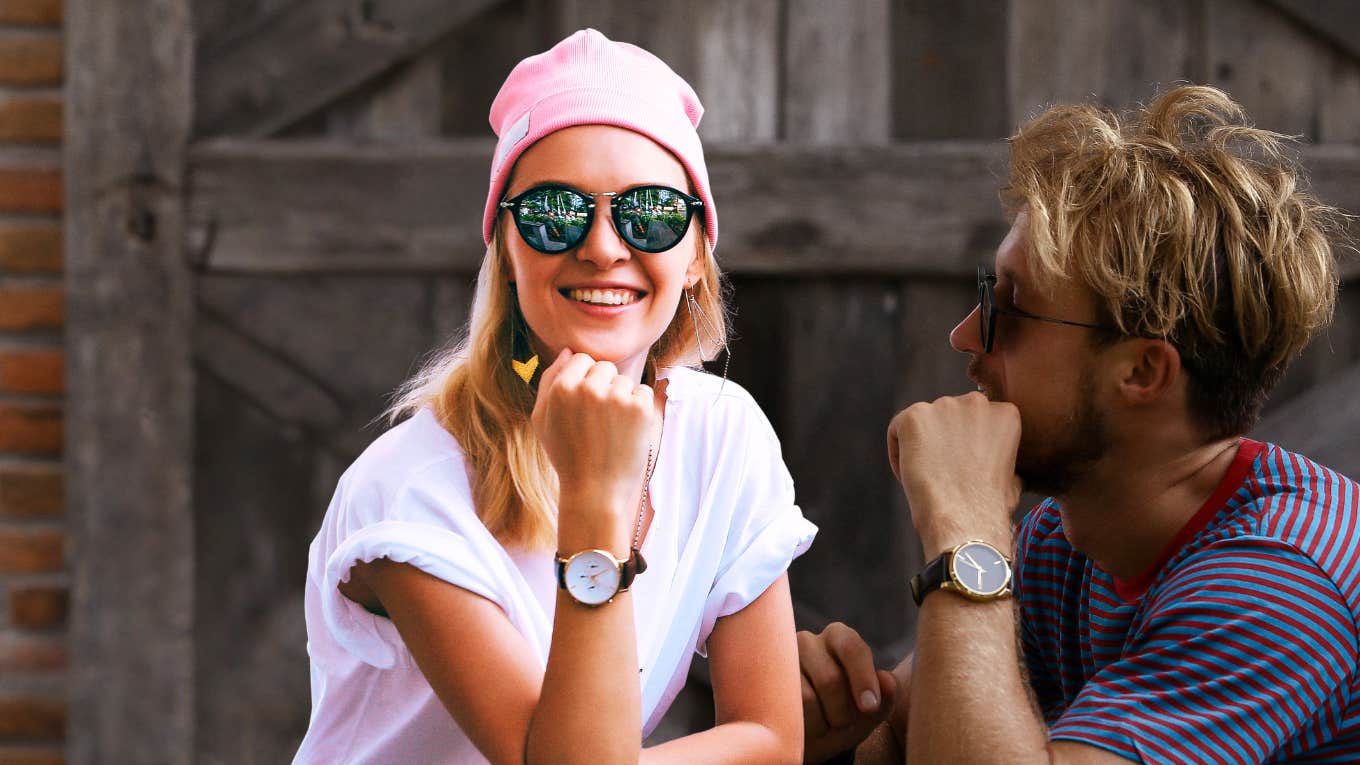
299	59
1335	20
910	209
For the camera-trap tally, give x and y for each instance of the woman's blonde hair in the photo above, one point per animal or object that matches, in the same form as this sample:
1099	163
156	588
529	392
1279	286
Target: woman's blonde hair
1189	225
479	399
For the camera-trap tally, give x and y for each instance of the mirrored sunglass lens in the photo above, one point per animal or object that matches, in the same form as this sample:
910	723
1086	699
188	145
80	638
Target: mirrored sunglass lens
652	218
552	220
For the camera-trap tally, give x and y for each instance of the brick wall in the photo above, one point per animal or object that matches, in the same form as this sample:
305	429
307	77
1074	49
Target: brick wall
33	578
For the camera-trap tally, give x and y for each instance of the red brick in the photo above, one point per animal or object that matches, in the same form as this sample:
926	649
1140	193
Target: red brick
30	61
31	191
32	719
31	120
31	755
32	370
44	12
29	551
35	607
31	428
30	307
32	491
31	248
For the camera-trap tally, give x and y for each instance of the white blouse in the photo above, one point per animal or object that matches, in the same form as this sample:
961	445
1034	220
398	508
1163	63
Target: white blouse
725	527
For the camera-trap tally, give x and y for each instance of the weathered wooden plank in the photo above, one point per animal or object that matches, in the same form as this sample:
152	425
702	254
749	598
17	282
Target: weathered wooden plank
310	53
837	78
840	350
129	452
1321	423
949	63
1062	52
273	382
1334	20
1267	62
728	50
913	209
404	105
253	512
785	209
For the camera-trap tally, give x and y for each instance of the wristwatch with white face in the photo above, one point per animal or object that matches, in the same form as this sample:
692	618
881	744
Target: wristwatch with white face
974	569
594	577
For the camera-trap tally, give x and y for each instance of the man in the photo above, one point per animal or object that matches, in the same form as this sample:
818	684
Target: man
1185	594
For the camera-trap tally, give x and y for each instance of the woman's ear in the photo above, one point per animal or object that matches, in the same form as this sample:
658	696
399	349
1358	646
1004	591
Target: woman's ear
694	273
1149	369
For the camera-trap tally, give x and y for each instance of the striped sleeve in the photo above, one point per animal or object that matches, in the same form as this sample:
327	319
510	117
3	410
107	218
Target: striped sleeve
1244	649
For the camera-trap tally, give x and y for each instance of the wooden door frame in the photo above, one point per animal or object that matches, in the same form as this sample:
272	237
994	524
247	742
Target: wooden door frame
130	325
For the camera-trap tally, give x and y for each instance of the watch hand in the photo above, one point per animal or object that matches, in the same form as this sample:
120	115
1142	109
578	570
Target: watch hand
969	560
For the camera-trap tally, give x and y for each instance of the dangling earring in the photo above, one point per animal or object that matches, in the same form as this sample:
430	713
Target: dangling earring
520	347
704	326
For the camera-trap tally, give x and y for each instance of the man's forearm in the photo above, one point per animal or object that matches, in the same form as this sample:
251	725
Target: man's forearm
969	701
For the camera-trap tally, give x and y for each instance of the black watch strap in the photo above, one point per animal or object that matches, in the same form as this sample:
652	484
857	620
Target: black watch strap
930	579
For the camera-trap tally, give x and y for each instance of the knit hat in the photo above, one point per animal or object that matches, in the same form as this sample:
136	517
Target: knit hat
588	79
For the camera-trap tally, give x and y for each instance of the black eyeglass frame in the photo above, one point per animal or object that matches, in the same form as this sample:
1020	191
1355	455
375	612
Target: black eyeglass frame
692	205
989	310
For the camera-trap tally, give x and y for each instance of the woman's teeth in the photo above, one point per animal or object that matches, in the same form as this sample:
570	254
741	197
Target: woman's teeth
604	297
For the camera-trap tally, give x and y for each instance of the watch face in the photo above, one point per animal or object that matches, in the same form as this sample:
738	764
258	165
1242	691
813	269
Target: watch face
592	577
980	569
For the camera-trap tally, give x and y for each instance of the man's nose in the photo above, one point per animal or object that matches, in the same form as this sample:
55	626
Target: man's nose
966	337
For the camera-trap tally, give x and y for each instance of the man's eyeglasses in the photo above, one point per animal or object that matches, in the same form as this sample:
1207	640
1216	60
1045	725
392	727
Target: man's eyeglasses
554	219
989	310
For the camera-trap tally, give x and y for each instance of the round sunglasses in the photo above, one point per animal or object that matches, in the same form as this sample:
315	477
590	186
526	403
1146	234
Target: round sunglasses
553	219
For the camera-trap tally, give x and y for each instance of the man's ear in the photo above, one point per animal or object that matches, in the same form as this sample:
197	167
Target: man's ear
1148	369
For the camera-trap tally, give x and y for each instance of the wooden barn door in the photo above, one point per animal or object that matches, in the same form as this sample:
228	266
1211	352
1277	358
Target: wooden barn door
259	256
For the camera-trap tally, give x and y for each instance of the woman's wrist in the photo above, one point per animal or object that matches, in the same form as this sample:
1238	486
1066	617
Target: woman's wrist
581	526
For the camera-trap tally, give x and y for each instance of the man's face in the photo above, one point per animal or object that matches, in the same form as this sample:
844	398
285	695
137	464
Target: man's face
1047	370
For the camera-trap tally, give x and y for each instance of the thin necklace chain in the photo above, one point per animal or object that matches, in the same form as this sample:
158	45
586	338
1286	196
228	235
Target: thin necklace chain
642	503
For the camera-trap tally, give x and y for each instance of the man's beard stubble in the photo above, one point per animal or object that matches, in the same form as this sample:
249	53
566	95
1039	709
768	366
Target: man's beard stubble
1051	463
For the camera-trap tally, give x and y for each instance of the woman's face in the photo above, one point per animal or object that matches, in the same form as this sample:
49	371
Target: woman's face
601	297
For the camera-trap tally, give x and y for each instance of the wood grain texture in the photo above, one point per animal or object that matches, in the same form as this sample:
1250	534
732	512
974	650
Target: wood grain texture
295	61
129	412
728	51
837	72
950	69
783	209
1108	51
1334	20
912	209
1321	423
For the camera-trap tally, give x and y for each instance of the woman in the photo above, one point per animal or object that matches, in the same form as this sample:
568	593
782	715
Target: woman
523	569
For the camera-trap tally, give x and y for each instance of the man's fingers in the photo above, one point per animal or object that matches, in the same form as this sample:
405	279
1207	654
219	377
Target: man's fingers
887	685
820	659
857	662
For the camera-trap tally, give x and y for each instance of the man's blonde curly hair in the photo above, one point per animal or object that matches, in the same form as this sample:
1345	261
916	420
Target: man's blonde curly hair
1189	225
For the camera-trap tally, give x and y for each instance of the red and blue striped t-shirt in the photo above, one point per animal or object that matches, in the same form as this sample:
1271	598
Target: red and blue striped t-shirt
1239	647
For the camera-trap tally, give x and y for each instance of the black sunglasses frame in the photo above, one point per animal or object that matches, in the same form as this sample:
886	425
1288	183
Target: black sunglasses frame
989	310
692	205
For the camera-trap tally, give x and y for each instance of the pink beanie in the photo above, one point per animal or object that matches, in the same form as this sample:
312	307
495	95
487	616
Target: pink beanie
588	79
